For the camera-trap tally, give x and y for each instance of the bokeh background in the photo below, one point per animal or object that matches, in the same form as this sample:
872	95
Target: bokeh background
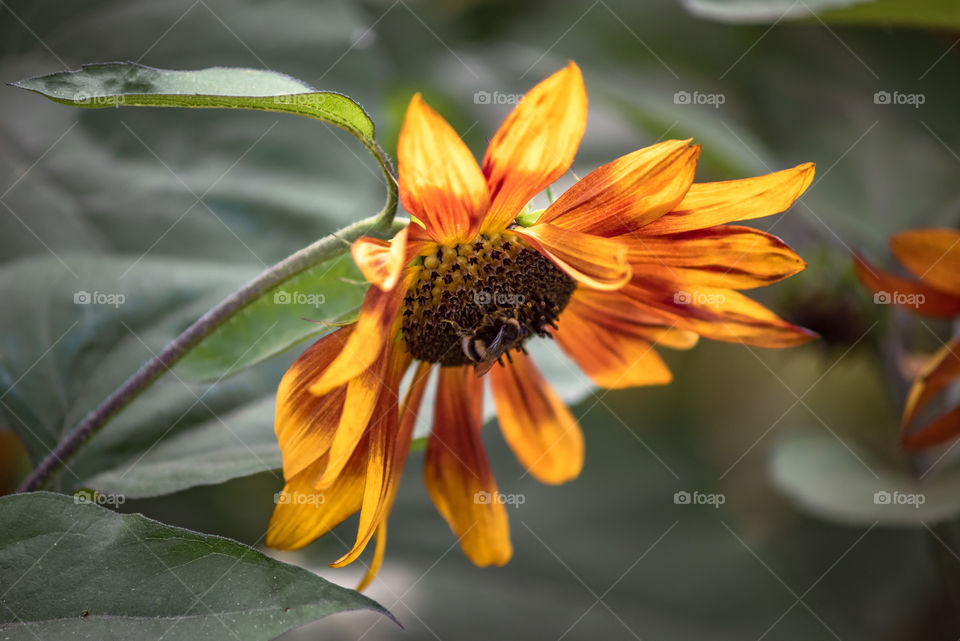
176	208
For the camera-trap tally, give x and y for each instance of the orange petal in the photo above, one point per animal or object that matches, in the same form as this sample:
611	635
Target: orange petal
440	182
377	560
382	455
594	261
916	296
941	371
618	313
535	145
933	255
629	192
724	256
457	473
939	431
374	329
710	204
538	426
713	312
611	356
380	261
304	514
305	423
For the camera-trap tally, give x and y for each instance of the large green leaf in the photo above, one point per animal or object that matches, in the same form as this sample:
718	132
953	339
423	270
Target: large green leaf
832	480
128	84
298	309
936	14
75	570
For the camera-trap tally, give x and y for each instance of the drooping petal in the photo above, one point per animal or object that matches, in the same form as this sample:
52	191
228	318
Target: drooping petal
724	256
916	296
617	312
303	514
381	261
710	204
629	192
942	370
535	145
536	423
382	455
933	255
457	474
373	330
305	423
605	348
594	261
440	182
715	313
377	560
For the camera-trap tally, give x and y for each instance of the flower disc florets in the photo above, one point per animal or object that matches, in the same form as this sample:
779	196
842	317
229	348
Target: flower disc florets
481	299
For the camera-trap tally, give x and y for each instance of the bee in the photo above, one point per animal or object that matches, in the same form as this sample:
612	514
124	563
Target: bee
509	336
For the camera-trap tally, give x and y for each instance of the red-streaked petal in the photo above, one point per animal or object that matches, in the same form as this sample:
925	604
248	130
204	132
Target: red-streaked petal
629	192
593	261
304	514
457	474
374	329
725	256
535	145
916	296
611	356
540	429
710	204
942	370
715	313
618	313
305	423
933	255
440	182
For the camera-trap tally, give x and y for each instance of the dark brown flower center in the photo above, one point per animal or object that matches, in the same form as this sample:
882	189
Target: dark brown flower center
474	302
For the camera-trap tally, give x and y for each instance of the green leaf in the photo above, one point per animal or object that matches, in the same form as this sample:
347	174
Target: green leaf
935	14
301	307
74	570
847	486
128	84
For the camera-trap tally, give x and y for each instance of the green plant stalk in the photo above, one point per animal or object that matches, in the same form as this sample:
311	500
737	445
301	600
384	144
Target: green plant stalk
309	256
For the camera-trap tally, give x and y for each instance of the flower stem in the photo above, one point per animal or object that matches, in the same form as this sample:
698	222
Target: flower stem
309	256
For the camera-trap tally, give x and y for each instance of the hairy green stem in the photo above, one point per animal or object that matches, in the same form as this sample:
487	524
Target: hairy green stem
309	256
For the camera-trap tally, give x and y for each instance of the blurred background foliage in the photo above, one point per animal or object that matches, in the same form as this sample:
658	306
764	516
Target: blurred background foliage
177	208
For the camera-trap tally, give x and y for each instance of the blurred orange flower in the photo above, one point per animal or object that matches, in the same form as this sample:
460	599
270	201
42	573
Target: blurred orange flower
632	256
933	256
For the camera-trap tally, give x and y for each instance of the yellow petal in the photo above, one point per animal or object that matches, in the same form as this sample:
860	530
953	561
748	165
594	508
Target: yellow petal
710	204
457	474
380	261
538	426
629	192
535	145
305	423
593	261
440	182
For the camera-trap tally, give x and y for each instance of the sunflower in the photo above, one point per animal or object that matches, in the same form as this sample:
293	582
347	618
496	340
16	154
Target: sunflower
933	256
633	255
